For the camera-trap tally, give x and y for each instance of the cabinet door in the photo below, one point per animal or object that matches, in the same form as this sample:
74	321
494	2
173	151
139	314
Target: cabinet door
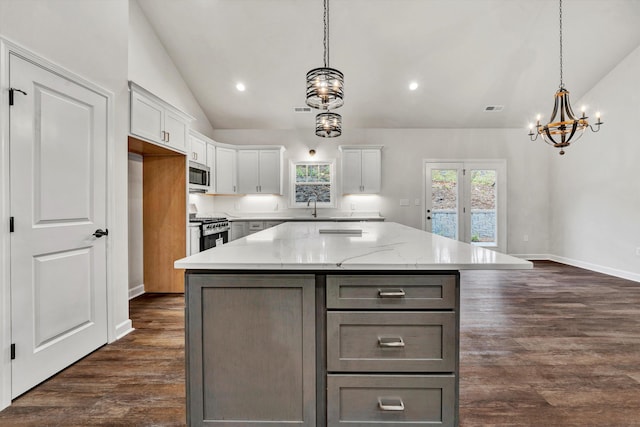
176	128
194	240
351	171
371	171
198	150
258	369
270	174
211	162
225	171
248	165
147	118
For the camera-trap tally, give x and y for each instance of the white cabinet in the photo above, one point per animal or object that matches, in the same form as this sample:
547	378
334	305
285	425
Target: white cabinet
194	240
156	121
211	162
197	148
361	169
225	171
260	171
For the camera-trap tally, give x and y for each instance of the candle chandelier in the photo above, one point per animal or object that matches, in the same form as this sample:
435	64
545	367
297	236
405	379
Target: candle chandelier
563	127
325	89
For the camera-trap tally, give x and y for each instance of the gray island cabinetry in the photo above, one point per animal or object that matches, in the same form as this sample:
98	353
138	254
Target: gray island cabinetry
294	327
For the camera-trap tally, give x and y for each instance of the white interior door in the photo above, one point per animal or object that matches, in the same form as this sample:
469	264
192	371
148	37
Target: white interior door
466	201
58	200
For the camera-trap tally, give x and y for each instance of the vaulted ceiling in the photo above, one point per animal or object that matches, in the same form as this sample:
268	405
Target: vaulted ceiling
464	54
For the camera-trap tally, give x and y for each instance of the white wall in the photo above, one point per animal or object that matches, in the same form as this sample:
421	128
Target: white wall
595	186
136	269
89	38
151	67
402	160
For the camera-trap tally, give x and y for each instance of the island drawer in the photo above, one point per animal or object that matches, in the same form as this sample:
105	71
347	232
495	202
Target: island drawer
391	341
395	292
383	400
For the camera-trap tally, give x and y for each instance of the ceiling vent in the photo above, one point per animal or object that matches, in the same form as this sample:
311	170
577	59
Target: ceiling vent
493	108
302	110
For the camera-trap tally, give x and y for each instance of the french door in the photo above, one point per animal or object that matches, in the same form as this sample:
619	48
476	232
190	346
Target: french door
466	201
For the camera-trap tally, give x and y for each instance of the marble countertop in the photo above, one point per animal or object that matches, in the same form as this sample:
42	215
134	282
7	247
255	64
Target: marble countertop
381	246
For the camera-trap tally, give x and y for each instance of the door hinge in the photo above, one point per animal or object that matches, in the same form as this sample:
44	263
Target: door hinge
13	351
464	171
11	229
11	90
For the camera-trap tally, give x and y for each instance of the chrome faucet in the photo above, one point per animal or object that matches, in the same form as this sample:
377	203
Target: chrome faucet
315	201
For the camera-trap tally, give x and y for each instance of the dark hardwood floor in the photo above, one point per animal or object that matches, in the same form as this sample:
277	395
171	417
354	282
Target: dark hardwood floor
553	346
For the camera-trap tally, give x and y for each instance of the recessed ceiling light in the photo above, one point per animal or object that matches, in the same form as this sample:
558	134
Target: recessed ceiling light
413	85
240	87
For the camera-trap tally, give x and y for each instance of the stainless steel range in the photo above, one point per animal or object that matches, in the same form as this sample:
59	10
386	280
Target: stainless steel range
214	231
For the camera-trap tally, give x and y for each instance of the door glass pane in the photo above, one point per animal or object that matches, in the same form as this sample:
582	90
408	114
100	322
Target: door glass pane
444	202
483	207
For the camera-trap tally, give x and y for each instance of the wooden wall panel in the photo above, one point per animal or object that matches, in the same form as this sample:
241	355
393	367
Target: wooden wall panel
164	201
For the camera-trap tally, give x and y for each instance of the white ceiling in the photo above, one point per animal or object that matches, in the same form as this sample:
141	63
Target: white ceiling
465	54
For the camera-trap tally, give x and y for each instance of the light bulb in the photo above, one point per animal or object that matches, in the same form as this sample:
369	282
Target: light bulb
597	114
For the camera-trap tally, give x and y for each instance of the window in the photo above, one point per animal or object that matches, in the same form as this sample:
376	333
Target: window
313	180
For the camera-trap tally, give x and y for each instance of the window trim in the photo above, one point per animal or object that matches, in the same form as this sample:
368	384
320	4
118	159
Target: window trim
292	183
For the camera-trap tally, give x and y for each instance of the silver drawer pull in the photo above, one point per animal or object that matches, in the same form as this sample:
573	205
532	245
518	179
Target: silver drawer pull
390	404
391	293
390	342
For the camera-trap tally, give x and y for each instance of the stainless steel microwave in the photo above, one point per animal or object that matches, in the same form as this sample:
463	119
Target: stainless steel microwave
199	177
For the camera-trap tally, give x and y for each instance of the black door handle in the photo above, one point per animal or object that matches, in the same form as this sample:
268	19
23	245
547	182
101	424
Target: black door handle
428	217
99	233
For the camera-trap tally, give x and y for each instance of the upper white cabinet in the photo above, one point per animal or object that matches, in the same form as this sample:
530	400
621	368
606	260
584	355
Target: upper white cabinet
156	121
197	148
211	162
260	171
361	169
225	171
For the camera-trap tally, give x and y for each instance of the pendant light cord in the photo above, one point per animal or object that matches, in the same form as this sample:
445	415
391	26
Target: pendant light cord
326	33
561	77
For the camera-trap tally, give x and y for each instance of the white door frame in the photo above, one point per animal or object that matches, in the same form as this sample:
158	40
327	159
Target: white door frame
502	201
7	47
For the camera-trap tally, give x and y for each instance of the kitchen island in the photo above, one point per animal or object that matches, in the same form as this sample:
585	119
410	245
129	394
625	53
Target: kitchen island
324	323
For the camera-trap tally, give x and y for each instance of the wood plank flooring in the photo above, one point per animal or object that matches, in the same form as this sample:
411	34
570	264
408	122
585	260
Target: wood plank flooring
553	346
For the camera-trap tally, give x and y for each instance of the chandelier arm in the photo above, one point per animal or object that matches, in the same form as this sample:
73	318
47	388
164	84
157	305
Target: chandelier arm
549	139
573	131
595	130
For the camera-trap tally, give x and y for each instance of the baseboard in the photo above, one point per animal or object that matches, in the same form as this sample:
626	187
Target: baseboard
124	328
533	257
597	268
136	291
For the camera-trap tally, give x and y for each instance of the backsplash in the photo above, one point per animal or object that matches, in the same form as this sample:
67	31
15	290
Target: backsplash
280	204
